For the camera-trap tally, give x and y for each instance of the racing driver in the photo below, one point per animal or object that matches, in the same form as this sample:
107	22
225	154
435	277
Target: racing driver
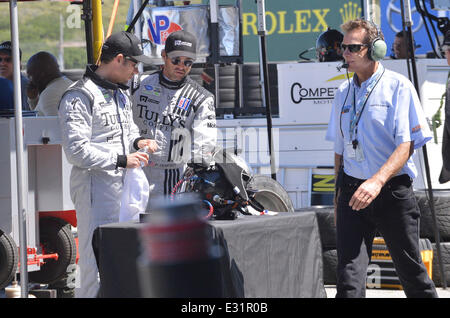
175	111
100	140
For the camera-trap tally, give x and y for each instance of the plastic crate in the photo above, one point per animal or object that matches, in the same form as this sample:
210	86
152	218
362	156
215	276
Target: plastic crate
381	271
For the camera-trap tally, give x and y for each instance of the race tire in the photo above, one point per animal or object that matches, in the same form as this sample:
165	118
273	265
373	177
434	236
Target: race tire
65	287
271	194
442	212
329	258
327	229
436	273
55	237
9	259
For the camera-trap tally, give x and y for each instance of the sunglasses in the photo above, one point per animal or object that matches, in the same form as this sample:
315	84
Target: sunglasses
136	62
353	48
176	61
6	59
129	58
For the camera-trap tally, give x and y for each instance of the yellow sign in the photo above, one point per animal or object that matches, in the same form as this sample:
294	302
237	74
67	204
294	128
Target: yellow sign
293	26
351	11
305	21
340	77
323	183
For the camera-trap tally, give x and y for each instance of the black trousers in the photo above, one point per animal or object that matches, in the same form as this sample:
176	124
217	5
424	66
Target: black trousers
394	213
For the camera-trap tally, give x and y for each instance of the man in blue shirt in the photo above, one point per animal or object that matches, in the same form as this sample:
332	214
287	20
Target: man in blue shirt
6	94
7	70
445	171
376	123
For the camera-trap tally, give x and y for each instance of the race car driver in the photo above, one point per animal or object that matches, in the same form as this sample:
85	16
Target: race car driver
99	137
174	110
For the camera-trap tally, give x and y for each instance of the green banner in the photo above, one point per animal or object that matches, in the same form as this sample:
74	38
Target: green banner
292	25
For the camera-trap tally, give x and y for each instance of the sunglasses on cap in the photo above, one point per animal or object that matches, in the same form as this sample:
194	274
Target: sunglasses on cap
136	62
176	61
6	59
353	48
129	58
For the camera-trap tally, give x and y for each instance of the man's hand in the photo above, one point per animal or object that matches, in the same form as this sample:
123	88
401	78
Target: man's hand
151	145
369	190
135	159
365	194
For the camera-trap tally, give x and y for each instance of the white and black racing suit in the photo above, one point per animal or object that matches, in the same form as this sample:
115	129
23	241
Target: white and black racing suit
181	117
98	132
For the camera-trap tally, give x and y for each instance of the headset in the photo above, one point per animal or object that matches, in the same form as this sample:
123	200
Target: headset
377	48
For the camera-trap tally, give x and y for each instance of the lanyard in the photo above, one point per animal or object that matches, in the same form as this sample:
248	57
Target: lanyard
358	106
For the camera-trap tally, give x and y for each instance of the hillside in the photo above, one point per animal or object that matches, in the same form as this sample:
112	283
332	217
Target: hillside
39	28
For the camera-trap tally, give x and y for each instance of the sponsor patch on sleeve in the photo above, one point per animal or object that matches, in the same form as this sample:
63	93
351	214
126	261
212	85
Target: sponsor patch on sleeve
416	129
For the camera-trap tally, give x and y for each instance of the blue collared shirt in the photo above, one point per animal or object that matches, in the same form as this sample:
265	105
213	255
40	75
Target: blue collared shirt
6	94
393	115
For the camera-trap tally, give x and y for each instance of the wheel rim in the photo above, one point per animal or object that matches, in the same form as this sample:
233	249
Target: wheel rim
271	201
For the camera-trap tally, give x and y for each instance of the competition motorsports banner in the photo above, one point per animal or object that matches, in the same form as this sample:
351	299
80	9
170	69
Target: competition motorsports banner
306	91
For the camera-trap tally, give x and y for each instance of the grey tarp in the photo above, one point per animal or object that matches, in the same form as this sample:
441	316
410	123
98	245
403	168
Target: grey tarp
264	256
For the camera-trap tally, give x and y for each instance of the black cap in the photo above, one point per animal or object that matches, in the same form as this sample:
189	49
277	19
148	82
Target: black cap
127	44
7	48
447	38
181	43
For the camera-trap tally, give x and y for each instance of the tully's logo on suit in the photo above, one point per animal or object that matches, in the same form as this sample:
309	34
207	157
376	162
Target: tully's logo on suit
112	119
155	119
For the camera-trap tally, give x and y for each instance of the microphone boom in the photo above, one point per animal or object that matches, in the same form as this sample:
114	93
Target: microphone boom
343	65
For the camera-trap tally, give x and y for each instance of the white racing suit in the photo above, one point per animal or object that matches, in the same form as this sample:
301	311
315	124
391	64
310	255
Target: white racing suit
181	118
97	132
